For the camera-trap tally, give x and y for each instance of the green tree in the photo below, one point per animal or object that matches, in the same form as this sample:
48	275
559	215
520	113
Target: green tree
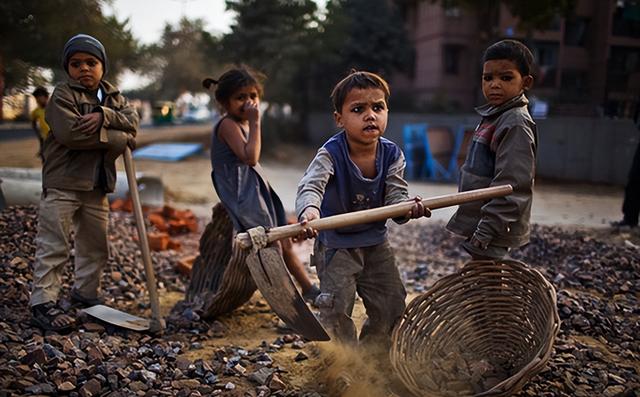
34	32
304	53
375	40
185	55
274	37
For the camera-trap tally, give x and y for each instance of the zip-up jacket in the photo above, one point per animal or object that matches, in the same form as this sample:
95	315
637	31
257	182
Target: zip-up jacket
75	160
502	151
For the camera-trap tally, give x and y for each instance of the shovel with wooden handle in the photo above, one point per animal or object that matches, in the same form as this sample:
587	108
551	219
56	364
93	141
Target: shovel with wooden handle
117	317
268	269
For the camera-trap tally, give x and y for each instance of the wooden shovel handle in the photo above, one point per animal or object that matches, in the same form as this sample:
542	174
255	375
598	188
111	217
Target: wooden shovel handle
157	324
378	214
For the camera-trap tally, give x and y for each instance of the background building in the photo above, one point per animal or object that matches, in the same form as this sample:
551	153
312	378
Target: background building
588	62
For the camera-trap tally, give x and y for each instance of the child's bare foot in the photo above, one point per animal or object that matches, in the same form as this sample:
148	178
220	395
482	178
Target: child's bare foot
49	318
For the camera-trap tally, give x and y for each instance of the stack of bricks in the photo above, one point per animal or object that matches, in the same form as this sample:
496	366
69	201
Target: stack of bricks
170	222
167	222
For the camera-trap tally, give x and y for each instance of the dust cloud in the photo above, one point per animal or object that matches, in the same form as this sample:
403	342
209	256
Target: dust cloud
348	371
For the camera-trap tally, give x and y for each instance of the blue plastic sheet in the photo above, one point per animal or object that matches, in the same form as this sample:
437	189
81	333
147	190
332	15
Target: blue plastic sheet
167	151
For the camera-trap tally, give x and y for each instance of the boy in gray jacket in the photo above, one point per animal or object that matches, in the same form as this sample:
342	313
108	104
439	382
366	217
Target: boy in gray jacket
91	125
502	151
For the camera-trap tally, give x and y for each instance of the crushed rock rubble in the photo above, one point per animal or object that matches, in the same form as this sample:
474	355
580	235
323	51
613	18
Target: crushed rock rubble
596	353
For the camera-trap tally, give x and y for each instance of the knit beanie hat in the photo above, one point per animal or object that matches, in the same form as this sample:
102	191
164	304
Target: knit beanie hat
84	43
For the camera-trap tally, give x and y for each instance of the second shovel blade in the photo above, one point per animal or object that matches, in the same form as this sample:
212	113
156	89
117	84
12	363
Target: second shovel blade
274	282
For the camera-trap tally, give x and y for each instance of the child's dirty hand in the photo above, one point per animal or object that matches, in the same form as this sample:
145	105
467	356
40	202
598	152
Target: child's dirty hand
307	216
131	142
252	111
418	210
89	123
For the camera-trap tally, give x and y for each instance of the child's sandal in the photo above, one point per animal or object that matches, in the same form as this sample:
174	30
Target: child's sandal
46	317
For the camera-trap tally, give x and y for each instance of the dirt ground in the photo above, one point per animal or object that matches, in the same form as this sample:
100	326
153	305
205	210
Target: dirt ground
254	323
188	185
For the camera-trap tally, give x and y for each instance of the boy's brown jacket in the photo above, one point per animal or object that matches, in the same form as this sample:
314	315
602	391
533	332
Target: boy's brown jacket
74	160
502	151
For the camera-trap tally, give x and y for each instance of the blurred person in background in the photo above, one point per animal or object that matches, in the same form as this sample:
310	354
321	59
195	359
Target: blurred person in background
38	123
631	203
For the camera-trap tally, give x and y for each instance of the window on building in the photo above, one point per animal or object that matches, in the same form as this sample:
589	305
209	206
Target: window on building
451	58
574	81
576	30
451	9
555	23
453	12
623	61
626	19
546	56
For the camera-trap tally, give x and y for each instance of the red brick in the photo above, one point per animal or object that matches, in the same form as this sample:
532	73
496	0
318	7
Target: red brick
117	204
158	241
174	245
158	221
183	215
128	205
168	211
185	264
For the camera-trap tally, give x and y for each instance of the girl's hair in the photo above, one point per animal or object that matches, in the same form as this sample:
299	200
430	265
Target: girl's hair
357	79
233	80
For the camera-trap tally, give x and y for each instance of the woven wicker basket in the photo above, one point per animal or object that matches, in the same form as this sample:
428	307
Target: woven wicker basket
483	331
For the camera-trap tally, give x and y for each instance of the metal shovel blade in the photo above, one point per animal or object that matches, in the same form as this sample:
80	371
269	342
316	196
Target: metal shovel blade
116	317
274	282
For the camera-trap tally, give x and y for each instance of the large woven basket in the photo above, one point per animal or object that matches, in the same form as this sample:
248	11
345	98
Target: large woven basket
483	331
220	277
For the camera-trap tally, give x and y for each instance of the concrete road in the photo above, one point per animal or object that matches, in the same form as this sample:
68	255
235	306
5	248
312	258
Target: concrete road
553	203
189	183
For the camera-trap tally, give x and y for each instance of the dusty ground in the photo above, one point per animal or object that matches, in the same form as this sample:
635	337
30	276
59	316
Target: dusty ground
597	352
188	185
254	323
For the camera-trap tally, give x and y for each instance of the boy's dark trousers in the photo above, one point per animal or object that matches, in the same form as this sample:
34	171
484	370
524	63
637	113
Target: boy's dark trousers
631	205
372	273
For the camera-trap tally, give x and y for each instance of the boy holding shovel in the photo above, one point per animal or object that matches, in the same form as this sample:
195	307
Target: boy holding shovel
91	125
355	170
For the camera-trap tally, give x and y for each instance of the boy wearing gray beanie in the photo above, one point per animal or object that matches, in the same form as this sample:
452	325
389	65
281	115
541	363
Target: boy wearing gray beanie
91	124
